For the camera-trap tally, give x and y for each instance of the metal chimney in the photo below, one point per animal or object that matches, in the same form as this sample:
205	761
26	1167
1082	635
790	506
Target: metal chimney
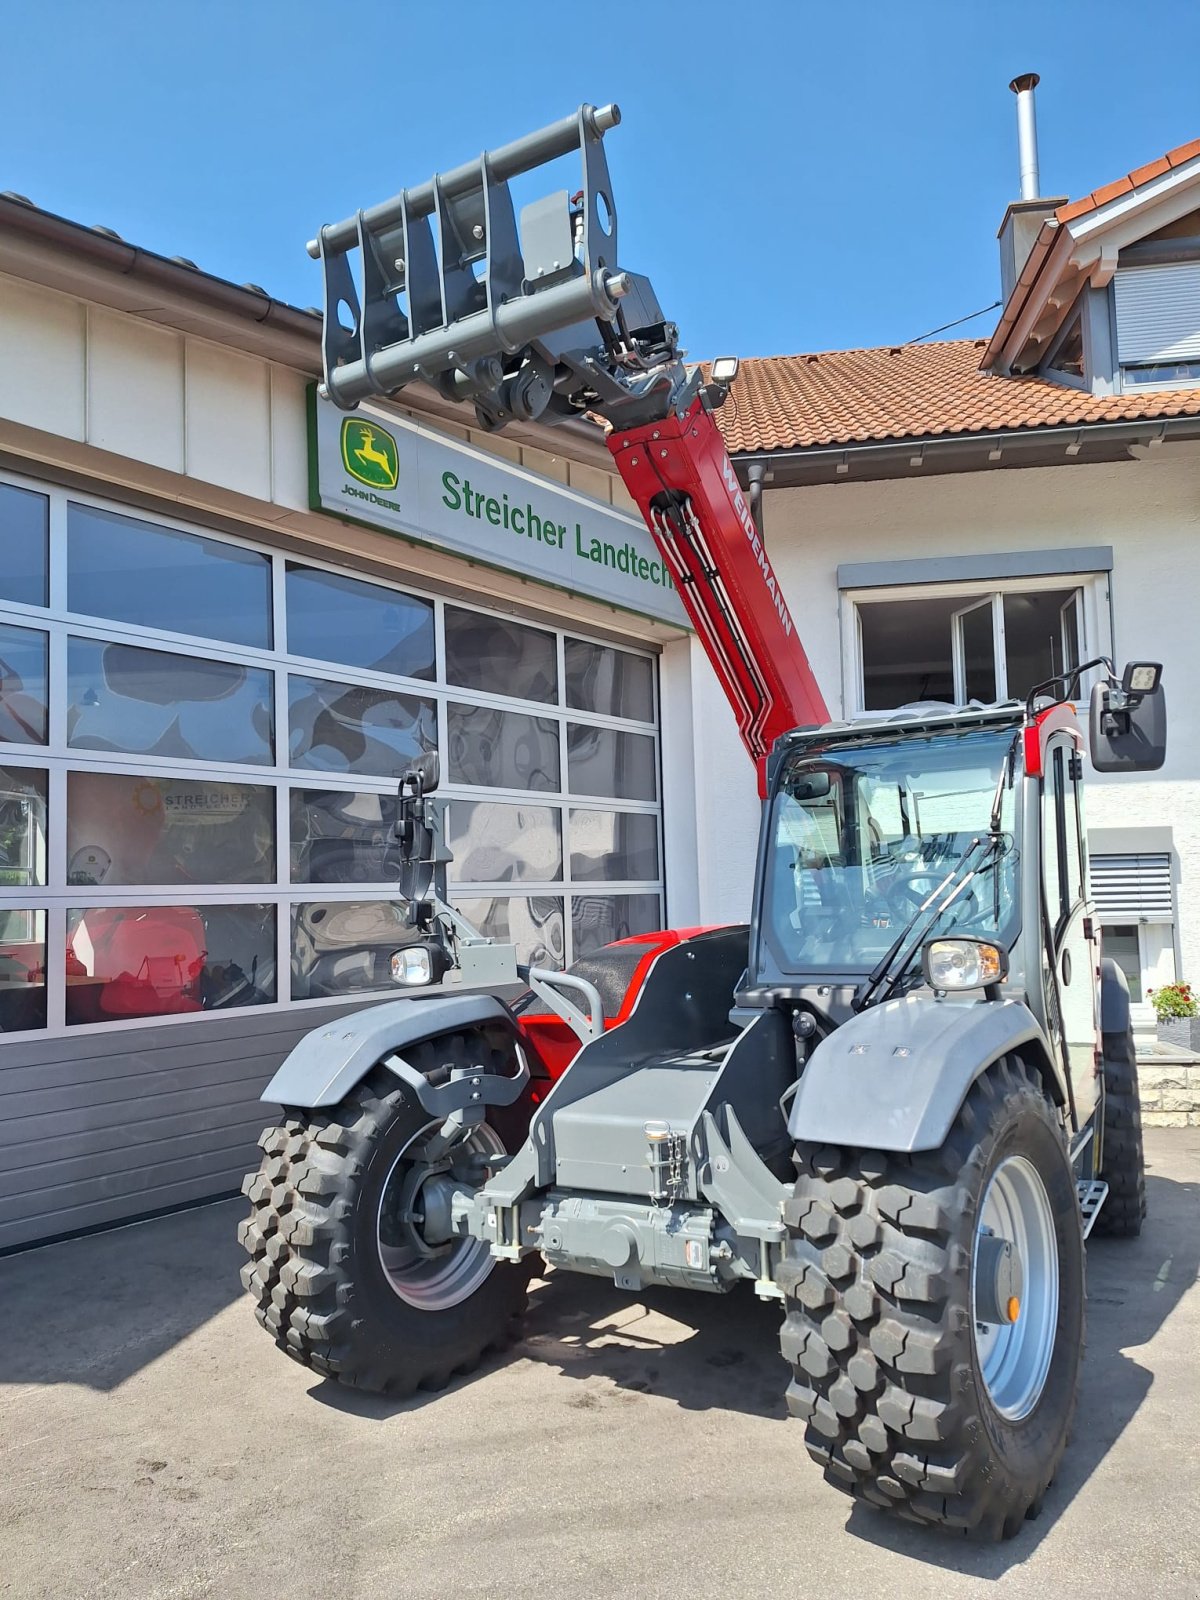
1023	88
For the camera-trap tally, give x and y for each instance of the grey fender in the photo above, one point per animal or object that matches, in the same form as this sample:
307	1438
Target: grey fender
1114	998
894	1076
330	1061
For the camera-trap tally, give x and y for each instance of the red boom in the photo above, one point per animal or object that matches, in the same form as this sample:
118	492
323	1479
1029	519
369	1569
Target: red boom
680	474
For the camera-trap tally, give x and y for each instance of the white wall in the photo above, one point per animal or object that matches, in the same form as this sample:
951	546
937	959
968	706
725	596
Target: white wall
1148	511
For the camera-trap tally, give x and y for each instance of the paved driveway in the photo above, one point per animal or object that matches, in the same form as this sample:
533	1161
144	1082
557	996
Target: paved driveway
154	1443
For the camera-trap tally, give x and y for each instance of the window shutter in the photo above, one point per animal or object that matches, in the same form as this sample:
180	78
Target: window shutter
1134	888
1158	312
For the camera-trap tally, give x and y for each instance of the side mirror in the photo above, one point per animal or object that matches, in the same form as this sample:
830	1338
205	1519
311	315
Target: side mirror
1128	722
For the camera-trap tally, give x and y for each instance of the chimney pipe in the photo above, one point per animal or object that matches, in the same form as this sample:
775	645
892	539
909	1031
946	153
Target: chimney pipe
1023	88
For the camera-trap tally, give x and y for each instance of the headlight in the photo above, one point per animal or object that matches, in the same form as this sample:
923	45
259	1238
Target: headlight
953	964
413	965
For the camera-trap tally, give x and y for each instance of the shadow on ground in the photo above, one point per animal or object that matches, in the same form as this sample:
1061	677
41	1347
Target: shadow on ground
96	1311
722	1353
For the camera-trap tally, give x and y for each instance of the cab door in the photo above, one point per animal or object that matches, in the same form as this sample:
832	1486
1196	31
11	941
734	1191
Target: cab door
1072	937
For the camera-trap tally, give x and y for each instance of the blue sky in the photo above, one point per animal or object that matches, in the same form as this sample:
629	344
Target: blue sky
791	176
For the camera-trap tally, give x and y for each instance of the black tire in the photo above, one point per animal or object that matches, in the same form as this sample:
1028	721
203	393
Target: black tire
315	1269
879	1331
1122	1164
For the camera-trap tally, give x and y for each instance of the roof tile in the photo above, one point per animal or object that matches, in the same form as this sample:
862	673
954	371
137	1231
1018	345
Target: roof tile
1110	191
845	397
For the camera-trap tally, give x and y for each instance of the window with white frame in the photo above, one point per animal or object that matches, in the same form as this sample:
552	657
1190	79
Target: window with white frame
958	644
1158	324
1135	905
199	747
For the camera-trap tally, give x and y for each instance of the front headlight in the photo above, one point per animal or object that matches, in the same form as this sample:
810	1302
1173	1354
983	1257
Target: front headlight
955	964
413	965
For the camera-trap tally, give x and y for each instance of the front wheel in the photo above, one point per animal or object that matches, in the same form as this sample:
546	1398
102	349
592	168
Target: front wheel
935	1312
1122	1165
349	1274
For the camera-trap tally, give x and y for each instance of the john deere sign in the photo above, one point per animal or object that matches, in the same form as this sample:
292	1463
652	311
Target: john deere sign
387	472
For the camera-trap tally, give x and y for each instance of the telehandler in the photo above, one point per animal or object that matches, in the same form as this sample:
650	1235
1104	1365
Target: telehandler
896	1103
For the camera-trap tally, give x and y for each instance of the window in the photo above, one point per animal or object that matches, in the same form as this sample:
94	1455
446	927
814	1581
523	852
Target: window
495	843
358	624
125	962
22	827
130	828
499	656
24	545
161	578
1135	905
342	727
502	749
167	852
610	681
1158	324
155	703
955	648
23	685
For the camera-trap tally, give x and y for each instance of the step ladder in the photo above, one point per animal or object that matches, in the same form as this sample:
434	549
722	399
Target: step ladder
1092	1194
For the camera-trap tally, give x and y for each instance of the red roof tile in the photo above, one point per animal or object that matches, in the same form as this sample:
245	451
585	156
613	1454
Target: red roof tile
1110	191
844	397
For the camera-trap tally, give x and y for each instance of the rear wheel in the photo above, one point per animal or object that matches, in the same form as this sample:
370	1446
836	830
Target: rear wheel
353	1265
1122	1166
935	1312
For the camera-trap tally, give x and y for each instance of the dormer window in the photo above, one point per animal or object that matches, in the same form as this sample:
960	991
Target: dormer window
1158	325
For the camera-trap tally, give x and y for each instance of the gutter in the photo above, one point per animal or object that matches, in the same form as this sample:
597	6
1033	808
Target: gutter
1020	440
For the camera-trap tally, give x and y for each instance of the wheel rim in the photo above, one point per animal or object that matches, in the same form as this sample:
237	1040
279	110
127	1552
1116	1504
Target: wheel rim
1014	1357
431	1277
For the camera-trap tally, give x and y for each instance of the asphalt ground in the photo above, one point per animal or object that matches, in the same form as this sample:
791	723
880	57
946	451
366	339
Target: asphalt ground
154	1443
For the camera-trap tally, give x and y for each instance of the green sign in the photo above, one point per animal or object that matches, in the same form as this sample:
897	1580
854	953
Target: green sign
401	478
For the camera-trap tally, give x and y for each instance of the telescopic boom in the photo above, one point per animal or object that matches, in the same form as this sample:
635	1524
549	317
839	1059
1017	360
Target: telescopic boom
533	318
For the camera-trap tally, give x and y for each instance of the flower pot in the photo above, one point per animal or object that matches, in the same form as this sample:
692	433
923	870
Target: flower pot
1183	1033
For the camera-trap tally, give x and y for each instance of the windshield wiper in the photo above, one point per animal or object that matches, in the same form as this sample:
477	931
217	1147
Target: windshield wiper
905	944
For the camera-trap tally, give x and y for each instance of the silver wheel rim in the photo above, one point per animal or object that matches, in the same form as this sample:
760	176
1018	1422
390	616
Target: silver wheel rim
431	1278
1014	1357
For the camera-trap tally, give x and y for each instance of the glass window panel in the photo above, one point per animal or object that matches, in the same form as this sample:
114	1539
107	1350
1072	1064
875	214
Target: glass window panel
23	672
494	843
533	924
157	961
126	828
340	836
598	919
499	656
345	946
1033	638
979	653
606	761
619	845
503	749
22	969
24	545
1122	944
151	702
613	682
342	727
22	827
361	624
163	578
906	651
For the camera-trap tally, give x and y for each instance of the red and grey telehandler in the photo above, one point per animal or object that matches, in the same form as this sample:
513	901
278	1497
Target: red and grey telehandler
896	1103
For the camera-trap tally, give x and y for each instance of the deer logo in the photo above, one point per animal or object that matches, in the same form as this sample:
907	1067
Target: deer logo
369	453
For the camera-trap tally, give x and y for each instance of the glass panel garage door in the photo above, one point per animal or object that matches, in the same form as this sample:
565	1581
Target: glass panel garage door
199	748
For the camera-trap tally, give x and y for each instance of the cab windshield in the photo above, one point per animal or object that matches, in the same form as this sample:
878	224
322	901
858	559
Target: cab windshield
864	833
